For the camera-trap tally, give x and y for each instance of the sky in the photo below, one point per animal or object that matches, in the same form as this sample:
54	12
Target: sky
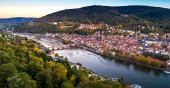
39	8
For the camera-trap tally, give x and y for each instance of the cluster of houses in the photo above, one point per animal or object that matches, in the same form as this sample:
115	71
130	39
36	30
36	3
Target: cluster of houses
156	46
126	44
106	44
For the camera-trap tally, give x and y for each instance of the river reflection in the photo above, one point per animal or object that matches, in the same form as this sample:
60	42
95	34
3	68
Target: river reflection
114	68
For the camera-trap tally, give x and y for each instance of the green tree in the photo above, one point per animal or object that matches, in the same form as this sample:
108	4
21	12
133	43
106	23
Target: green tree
60	71
35	59
33	69
21	80
6	70
67	84
4	57
155	64
21	67
44	79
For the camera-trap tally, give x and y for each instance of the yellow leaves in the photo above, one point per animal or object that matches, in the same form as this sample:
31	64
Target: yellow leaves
23	42
61	70
37	50
67	84
50	65
72	78
8	43
58	69
24	49
36	59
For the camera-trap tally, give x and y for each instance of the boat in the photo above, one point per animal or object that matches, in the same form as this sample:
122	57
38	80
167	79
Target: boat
168	72
167	67
114	79
135	86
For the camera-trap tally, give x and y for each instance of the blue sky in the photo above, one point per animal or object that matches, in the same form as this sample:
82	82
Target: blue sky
38	8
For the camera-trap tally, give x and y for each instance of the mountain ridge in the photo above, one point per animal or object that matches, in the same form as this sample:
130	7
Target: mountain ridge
137	10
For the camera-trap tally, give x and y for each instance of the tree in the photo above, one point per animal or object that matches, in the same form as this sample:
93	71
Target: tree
99	84
21	80
4	57
45	57
44	79
37	50
35	59
67	84
60	71
6	70
33	69
21	67
155	64
49	65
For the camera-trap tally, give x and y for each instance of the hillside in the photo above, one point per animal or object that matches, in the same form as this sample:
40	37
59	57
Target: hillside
145	12
90	14
104	12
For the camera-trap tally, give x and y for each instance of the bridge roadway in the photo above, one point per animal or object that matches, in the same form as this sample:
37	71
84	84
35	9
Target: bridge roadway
61	47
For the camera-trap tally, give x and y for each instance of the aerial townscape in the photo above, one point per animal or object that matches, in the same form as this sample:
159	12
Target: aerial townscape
85	46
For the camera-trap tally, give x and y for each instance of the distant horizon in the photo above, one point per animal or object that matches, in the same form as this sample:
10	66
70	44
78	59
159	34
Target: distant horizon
40	8
75	8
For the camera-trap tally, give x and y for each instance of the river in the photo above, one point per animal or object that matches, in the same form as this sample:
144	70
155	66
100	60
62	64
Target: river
111	68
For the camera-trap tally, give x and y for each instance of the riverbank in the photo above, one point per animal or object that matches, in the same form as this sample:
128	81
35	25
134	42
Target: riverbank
139	64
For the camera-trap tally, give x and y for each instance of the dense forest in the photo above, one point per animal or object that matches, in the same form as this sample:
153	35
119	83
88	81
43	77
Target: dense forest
24	65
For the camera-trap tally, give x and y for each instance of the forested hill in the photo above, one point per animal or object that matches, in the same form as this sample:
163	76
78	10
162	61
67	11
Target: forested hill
146	12
106	13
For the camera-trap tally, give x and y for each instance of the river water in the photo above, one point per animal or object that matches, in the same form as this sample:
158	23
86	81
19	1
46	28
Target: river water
110	68
131	74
